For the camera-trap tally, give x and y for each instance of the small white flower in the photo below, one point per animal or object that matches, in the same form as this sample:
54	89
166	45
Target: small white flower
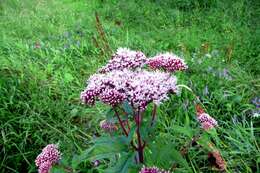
256	115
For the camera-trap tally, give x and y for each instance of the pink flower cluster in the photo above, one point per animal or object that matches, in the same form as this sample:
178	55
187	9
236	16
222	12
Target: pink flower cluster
168	62
153	169
137	87
108	126
206	121
124	59
48	157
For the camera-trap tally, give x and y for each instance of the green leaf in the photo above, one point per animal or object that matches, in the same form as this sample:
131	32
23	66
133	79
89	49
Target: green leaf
104	147
127	108
204	141
77	159
123	164
162	153
130	135
183	130
110	114
58	169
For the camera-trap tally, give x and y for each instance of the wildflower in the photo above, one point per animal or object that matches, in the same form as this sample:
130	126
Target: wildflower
208	55
206	91
49	156
210	69
168	62
225	74
124	59
146	87
206	121
215	53
112	97
256	114
96	163
137	87
88	97
153	169
37	45
108	126
109	88
256	102
45	167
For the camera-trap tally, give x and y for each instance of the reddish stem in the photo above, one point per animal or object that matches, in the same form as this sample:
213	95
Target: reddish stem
139	140
128	125
121	122
123	127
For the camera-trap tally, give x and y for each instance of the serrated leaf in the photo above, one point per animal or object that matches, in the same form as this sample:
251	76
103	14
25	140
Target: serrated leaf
104	147
127	108
123	164
130	135
163	154
77	159
110	114
58	169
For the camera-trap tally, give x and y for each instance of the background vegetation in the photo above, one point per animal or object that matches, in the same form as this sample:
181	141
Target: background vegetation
49	48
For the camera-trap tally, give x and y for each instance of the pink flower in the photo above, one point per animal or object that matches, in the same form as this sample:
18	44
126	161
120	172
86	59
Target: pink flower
146	87
96	163
88	97
124	58
206	121
168	62
45	167
137	87
49	156
153	169
108	126
112	97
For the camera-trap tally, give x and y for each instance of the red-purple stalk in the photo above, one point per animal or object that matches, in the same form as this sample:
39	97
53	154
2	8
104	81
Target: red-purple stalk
140	147
121	122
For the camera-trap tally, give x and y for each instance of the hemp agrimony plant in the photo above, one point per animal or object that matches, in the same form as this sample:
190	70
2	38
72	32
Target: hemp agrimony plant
129	83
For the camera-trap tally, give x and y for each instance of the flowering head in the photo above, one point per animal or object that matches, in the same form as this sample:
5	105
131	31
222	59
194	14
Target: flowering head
49	156
45	167
137	87
206	121
146	87
168	62
108	87
256	102
96	163
112	97
124	58
108	126
153	169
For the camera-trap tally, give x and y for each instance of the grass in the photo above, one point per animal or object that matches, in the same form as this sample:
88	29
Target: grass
47	52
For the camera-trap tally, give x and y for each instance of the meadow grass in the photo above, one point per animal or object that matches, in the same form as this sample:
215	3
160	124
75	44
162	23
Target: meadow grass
47	52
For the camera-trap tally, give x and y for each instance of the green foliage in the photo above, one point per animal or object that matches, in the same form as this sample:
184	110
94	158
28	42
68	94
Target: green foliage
124	164
163	154
104	147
